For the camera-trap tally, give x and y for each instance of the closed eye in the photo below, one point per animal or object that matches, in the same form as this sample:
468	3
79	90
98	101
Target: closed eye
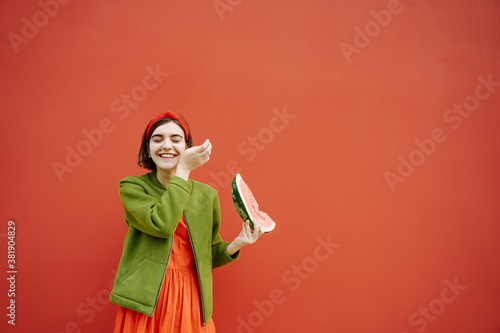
176	138
157	138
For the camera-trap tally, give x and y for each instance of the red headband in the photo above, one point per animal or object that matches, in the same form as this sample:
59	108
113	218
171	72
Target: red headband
171	115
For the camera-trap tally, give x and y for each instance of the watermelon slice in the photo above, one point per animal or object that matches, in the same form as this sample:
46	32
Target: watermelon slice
247	206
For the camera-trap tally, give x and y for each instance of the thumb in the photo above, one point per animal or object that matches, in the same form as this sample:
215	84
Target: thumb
197	148
204	145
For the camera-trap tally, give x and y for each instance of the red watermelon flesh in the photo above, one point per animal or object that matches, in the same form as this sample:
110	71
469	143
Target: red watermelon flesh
247	206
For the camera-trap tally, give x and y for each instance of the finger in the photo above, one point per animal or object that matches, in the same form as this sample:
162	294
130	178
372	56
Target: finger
201	148
251	232
254	232
261	231
248	230
207	151
244	231
257	231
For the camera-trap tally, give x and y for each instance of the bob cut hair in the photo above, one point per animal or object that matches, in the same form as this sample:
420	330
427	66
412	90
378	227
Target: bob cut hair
143	159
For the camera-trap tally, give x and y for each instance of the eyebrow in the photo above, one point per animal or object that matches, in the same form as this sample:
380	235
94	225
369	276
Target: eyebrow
161	135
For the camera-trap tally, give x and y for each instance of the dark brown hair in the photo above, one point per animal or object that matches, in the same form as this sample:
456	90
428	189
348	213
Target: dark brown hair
143	159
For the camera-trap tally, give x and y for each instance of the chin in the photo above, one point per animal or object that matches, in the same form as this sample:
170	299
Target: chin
168	167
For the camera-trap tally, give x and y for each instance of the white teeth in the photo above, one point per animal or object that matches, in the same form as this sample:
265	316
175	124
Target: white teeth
167	155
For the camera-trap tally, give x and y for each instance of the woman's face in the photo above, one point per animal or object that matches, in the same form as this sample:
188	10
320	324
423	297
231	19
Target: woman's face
166	145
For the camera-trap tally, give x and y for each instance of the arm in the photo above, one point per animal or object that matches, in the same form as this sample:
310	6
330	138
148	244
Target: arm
156	217
220	255
246	237
193	158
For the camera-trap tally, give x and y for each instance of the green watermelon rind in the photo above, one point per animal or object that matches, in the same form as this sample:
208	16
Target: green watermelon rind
240	205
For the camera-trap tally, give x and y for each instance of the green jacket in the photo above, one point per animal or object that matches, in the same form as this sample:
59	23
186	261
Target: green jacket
152	214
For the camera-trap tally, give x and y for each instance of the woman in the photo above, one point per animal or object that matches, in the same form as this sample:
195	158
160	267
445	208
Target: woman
164	279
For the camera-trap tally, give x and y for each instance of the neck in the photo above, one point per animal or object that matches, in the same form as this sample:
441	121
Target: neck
165	176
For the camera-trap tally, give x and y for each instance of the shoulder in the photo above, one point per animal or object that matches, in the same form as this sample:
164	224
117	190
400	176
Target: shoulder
140	178
144	180
203	188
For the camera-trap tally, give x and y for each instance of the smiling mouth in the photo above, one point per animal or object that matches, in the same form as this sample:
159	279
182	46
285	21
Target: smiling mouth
167	155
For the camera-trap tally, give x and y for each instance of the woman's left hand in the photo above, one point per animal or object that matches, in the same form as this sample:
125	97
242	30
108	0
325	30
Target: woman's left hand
246	237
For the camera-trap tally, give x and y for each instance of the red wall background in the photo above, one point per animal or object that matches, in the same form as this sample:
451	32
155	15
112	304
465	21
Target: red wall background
367	129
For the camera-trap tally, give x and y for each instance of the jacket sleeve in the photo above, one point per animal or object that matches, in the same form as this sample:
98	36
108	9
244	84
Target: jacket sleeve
220	257
156	217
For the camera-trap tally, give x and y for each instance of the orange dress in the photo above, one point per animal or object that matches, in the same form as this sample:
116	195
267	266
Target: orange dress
179	306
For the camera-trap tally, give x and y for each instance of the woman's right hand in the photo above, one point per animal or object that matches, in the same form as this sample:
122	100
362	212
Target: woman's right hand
193	158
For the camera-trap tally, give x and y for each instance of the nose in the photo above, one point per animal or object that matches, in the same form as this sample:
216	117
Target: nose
167	144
